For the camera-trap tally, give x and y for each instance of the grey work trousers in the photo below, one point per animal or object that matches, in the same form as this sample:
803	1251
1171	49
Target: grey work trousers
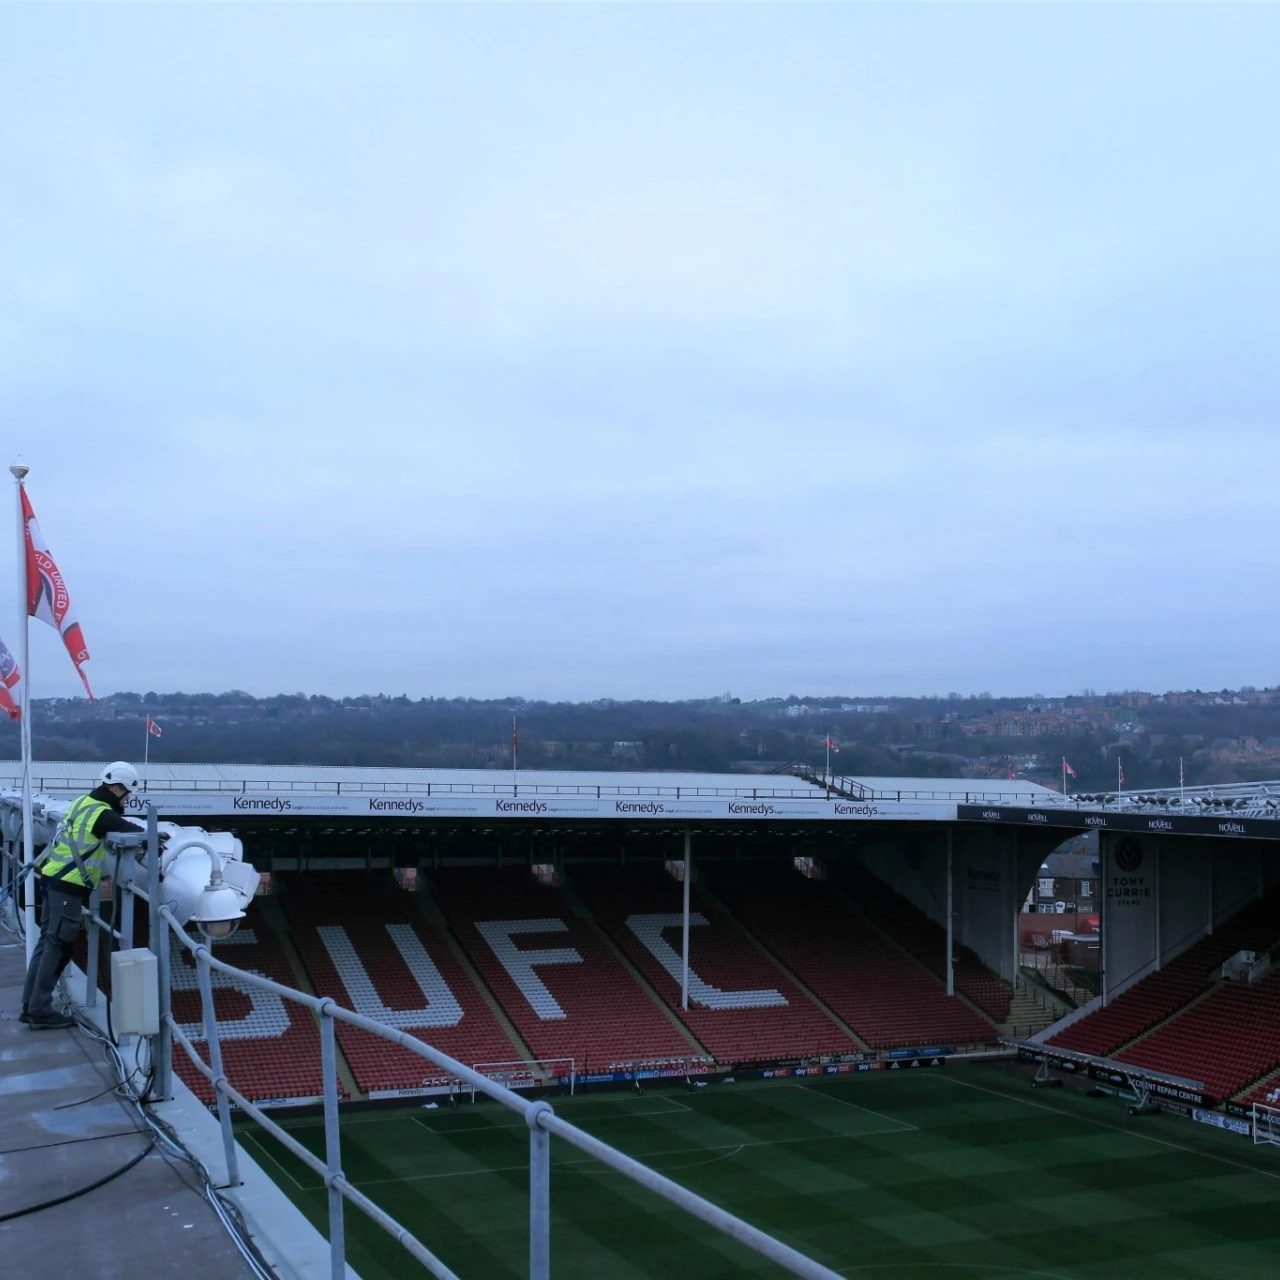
58	933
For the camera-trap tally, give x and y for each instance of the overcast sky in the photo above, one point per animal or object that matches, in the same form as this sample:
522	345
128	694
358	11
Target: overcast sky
646	351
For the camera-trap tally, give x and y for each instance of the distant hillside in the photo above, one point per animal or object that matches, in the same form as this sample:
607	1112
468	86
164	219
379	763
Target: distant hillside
1218	737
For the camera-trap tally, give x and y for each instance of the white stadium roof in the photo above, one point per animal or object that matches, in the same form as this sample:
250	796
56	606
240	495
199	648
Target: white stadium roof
301	791
58	775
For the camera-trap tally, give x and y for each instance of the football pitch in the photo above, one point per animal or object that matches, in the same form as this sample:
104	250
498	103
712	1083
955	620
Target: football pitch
962	1173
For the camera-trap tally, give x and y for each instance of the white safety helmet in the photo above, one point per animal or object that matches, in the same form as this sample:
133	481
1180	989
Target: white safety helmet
120	773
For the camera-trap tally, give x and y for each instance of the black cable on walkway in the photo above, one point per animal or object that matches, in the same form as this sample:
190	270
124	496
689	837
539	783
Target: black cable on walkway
82	1191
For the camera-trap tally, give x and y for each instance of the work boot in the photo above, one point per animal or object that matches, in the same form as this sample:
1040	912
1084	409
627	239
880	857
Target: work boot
24	1016
49	1021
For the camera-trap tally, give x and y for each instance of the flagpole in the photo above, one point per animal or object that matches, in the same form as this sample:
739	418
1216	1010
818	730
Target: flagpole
828	757
515	755
146	743
19	471
1064	775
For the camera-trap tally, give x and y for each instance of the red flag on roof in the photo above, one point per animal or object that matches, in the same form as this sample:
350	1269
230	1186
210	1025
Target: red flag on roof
9	677
831	746
1068	769
47	595
154	729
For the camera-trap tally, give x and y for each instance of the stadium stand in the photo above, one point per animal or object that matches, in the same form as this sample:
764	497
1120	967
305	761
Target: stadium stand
585	1006
1229	1038
742	1007
270	1049
1160	995
927	941
1267	1092
888	999
364	942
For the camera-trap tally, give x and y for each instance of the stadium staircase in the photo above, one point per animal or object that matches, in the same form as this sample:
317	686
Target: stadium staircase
875	988
750	1010
1030	1012
1158	998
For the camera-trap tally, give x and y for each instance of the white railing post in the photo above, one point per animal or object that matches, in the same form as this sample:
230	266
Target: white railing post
215	1063
332	1143
539	1193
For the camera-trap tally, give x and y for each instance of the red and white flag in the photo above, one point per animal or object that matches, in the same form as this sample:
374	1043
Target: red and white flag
1067	769
831	746
9	677
47	595
154	729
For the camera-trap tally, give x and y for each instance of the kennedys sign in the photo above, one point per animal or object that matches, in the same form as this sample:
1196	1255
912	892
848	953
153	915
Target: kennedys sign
304	804
1150	824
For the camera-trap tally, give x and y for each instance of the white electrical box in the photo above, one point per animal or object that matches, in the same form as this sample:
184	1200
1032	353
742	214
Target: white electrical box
135	993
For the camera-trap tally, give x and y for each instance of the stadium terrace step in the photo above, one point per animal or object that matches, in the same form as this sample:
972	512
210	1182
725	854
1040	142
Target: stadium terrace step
1160	996
580	908
888	999
270	1048
438	921
741	1006
958	995
274	918
1029	1014
564	990
1227	1037
365	943
1265	1091
792	976
925	940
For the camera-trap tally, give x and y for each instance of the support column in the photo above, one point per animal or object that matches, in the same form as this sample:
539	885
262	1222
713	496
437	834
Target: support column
1016	968
951	915
684	922
1104	915
1158	852
1209	930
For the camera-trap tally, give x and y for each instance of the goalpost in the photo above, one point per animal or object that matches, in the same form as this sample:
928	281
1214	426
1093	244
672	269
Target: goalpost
1265	1125
529	1073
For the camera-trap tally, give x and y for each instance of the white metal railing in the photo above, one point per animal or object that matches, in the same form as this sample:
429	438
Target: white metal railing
538	1114
57	783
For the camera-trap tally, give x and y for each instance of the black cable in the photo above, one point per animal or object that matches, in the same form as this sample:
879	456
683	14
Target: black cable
70	1142
81	1191
93	1097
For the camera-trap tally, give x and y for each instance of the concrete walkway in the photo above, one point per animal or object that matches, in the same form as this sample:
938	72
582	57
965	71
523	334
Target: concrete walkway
150	1221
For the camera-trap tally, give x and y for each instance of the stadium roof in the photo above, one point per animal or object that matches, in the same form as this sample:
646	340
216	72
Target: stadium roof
494	794
59	774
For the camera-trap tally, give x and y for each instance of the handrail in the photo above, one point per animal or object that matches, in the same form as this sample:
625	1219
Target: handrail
538	1115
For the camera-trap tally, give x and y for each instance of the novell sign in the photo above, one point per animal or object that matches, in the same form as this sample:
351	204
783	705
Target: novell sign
302	804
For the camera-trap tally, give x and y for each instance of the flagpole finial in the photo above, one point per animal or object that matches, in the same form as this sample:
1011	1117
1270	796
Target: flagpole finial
19	470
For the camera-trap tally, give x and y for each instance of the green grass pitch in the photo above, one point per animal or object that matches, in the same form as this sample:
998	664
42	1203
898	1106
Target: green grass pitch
956	1174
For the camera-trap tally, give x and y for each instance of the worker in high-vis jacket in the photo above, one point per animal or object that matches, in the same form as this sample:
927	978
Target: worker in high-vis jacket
69	872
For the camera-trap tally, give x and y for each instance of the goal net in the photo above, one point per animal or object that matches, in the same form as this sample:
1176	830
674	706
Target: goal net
529	1073
1265	1125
